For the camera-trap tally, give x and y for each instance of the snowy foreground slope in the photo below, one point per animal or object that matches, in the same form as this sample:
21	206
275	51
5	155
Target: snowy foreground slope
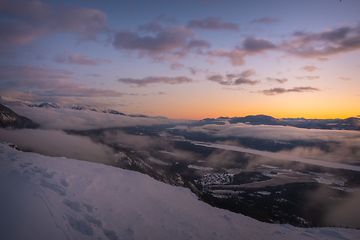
58	198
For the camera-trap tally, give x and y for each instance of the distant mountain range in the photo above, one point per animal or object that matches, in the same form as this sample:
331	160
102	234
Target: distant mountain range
78	107
55	105
11	120
17	102
352	123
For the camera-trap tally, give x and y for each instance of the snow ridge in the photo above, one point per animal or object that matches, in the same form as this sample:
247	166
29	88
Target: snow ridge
59	198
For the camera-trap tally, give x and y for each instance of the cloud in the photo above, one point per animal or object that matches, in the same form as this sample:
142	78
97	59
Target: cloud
257	45
276	132
12	94
245	81
162	44
216	78
57	144
194	70
147	144
69	119
83	60
320	45
341	145
176	65
150	27
78	59
82	92
45	84
344	78
212	23
250	46
31	20
17	98
154	80
275	91
31	72
62	88
86	22
139	143
50	82
235	56
279	80
234	79
265	20
345	213
20	33
195	43
310	68
307	77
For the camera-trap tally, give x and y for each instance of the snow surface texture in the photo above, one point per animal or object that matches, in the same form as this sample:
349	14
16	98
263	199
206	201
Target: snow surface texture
58	198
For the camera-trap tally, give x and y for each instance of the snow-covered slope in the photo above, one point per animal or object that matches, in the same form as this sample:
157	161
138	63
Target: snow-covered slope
58	198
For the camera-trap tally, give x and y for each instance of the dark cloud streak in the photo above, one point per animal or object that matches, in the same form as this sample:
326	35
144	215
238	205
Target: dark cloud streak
155	80
275	91
212	23
309	68
78	59
234	79
62	88
31	72
279	80
265	20
257	45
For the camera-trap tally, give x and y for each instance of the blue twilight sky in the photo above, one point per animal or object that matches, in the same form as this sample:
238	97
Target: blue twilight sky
185	59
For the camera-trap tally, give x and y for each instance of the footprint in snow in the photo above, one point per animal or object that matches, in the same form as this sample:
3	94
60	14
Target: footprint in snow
80	225
88	223
63	182
24	165
53	186
78	207
75	206
43	171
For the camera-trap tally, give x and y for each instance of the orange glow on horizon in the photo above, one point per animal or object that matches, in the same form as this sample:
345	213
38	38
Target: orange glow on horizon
199	115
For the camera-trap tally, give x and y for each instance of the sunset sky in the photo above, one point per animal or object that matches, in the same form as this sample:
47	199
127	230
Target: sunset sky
188	59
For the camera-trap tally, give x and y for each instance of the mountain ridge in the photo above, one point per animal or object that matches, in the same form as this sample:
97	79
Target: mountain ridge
351	123
10	120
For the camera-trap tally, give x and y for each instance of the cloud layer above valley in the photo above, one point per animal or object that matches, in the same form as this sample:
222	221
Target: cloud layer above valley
57	143
69	119
342	145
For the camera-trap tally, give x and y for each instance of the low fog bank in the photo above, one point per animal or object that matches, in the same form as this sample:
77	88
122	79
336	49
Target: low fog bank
341	145
56	143
137	142
345	214
273	132
145	143
69	119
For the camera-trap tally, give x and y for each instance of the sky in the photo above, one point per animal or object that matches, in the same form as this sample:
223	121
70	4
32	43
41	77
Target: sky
185	59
